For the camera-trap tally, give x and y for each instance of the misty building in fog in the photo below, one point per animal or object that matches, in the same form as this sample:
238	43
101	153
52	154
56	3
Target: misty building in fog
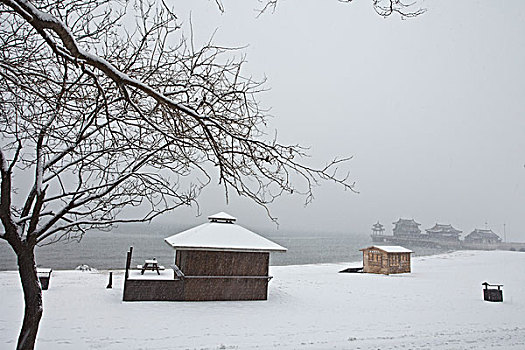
443	232
406	228
482	236
378	229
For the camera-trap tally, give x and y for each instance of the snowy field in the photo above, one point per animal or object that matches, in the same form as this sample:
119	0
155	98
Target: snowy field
438	306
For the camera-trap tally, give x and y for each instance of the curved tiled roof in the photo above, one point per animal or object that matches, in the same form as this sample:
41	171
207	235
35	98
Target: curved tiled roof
483	233
443	228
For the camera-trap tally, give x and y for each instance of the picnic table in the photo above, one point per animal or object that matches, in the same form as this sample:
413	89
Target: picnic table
151	265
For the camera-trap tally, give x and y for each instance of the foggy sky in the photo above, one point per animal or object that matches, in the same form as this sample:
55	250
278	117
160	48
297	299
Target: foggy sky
431	109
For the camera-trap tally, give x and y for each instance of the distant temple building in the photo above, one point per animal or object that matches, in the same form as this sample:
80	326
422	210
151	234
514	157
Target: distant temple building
406	227
482	236
406	232
378	229
443	232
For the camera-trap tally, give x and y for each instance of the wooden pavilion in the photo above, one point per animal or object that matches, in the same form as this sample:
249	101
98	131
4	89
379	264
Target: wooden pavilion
218	260
386	259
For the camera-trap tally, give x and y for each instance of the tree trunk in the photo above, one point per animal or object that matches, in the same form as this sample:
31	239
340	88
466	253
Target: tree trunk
32	298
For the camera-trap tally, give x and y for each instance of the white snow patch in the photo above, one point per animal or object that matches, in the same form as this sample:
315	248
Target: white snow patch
222	236
438	306
166	274
85	267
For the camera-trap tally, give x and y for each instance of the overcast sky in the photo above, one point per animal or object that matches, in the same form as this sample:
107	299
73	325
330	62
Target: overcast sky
432	109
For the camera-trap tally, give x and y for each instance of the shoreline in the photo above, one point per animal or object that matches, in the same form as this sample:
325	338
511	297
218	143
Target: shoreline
350	263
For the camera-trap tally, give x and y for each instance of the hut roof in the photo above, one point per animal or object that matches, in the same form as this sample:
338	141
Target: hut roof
221	233
390	248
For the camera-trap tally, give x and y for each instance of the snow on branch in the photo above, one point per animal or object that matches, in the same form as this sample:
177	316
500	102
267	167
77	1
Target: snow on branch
109	119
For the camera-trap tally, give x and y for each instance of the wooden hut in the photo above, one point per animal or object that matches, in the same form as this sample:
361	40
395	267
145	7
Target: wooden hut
386	259
218	260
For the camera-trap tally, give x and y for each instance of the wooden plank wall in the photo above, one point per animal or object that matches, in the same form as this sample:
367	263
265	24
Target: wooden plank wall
208	275
219	263
196	289
207	289
153	290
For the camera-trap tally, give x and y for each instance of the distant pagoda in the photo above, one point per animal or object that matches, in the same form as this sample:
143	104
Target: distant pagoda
482	236
406	228
443	232
378	229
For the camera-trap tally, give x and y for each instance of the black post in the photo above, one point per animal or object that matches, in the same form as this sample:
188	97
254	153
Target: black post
110	284
126	275
128	262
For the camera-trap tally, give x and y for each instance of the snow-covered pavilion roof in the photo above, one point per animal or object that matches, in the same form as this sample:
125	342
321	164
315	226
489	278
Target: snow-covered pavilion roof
222	216
390	248
221	233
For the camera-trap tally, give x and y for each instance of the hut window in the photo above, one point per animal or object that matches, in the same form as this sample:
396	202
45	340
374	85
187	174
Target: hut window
395	259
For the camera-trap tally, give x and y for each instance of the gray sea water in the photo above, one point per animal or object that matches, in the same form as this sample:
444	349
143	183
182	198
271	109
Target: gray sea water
107	250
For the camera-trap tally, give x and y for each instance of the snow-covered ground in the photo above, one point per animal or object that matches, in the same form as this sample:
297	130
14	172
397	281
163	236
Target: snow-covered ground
438	306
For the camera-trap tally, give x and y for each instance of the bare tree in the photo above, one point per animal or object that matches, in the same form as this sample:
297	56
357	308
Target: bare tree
96	117
383	8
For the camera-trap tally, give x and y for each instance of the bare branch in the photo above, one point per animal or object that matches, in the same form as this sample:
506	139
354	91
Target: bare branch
121	119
